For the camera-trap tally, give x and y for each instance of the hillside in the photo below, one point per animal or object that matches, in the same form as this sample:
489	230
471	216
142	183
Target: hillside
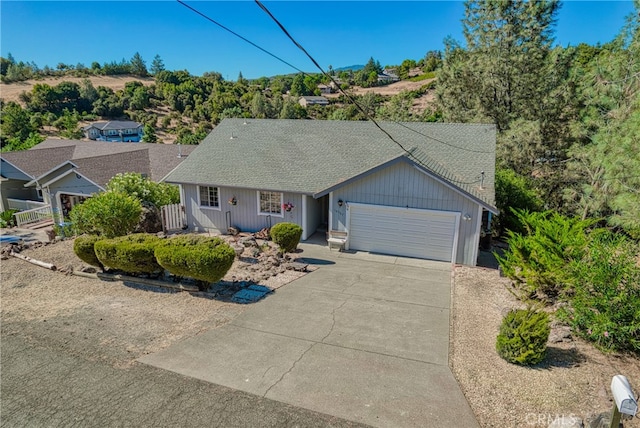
12	91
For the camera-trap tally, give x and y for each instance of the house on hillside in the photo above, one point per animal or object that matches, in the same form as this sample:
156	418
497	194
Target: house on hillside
349	180
116	130
388	76
325	89
55	175
313	101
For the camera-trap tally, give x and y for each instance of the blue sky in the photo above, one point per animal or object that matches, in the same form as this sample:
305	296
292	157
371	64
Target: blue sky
337	33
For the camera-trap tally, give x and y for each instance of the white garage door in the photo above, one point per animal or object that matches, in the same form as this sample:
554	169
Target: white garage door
410	232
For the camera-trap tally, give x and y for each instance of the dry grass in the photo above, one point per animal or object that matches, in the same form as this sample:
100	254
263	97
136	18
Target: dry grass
574	379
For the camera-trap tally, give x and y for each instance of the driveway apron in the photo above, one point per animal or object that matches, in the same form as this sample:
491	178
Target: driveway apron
365	338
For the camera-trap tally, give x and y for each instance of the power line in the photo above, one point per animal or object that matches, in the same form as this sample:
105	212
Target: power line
239	36
351	99
367	115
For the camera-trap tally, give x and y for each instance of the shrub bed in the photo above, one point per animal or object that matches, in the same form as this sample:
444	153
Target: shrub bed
83	246
201	258
286	236
130	254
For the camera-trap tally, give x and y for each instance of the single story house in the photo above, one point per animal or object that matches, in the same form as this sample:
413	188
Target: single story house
313	101
325	89
116	130
423	194
55	175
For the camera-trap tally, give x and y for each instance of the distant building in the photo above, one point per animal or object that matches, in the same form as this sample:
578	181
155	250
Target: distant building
124	131
310	101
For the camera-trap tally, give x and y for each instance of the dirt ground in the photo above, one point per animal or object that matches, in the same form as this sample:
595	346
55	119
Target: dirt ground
116	323
109	321
574	379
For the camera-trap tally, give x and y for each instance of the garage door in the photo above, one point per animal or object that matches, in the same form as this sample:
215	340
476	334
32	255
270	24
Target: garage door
409	232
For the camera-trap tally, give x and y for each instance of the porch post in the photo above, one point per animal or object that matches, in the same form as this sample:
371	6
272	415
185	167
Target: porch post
305	222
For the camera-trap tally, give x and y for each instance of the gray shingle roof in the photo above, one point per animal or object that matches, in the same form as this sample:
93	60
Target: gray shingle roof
99	161
114	124
311	156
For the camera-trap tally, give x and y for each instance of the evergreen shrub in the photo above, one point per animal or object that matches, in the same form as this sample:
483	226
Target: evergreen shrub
286	236
199	257
523	336
130	254
83	246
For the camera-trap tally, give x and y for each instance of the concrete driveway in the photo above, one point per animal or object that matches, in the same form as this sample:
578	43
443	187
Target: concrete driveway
364	338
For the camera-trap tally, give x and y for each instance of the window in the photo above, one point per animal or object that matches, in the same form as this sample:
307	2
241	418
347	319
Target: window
270	202
209	197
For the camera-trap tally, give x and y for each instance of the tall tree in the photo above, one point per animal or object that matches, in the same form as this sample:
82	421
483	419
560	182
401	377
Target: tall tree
138	66
502	69
157	65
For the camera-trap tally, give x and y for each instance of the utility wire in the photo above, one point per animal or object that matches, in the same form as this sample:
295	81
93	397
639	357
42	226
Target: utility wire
239	36
349	97
367	115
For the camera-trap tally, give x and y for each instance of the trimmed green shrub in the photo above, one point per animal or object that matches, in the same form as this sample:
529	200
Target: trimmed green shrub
605	306
286	236
130	254
108	214
523	336
202	258
83	246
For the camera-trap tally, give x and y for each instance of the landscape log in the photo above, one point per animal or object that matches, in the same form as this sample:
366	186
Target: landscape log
34	261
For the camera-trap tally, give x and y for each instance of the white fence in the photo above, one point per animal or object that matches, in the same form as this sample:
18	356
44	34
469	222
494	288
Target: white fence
23	204
173	217
34	216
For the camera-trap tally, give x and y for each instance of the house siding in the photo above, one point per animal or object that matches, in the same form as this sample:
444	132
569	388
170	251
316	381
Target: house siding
403	185
243	215
72	185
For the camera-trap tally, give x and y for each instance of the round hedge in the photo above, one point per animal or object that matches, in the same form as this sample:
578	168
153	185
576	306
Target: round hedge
83	246
523	336
286	236
130	254
199	257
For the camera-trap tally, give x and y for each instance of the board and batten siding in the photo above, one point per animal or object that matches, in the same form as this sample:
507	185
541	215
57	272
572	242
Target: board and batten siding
403	185
244	214
70	184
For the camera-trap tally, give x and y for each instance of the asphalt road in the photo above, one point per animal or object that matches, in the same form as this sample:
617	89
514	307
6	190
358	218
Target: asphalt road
50	386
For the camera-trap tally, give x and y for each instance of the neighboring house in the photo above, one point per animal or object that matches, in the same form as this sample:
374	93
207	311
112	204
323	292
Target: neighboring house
313	101
116	130
387	78
325	89
347	177
57	174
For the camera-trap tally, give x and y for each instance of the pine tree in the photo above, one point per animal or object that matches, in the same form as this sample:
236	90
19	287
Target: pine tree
157	65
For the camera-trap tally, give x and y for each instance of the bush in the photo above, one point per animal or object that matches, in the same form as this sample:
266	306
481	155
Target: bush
130	254
7	219
605	307
286	236
108	214
198	257
523	336
83	246
537	261
145	190
513	192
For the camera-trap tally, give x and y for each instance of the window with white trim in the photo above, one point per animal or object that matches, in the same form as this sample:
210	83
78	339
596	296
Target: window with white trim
270	202
209	196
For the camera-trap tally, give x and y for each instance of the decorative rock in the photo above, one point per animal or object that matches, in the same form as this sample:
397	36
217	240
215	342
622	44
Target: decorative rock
560	334
602	420
89	269
233	230
238	249
567	422
299	267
